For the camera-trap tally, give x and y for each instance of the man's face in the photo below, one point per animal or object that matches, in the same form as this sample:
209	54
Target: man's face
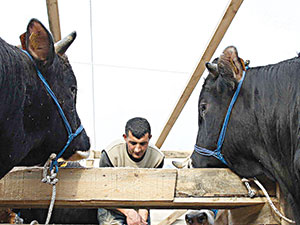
137	147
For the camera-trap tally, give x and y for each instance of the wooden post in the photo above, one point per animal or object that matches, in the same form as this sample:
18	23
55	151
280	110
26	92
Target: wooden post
53	17
283	207
208	53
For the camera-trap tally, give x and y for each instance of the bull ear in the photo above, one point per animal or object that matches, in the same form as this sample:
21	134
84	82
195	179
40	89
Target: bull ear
23	41
62	46
230	64
39	42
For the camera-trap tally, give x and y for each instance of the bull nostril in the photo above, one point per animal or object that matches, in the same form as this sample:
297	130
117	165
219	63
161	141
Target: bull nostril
189	221
201	218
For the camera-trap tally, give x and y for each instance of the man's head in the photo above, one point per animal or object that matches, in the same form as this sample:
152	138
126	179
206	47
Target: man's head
137	136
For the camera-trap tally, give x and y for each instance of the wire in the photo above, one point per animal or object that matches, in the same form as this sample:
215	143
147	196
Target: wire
93	83
131	67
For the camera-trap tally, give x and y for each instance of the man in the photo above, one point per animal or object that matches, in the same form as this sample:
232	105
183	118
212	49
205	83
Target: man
133	151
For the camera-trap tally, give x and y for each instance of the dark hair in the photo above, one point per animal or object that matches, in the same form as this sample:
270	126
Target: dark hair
138	126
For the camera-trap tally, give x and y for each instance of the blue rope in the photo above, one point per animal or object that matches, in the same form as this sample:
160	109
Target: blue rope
215	211
70	138
217	152
71	135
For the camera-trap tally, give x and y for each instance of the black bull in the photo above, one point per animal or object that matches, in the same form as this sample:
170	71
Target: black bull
31	126
263	133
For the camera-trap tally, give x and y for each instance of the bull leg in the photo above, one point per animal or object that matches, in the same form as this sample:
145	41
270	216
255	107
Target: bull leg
297	163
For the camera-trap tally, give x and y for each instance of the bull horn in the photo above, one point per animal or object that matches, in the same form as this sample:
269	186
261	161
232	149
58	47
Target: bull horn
62	45
178	165
186	163
212	68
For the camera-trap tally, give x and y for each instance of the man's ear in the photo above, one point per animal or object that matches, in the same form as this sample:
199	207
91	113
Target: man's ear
125	136
150	136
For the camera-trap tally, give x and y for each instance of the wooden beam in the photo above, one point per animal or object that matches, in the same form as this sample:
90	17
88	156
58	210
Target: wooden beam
284	208
53	17
254	215
177	154
177	203
168	153
129	187
216	202
208	53
173	217
216	183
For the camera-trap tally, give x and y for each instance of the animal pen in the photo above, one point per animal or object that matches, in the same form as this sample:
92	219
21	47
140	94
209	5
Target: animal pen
149	188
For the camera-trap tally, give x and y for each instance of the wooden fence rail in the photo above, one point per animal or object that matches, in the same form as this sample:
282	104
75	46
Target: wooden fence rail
128	187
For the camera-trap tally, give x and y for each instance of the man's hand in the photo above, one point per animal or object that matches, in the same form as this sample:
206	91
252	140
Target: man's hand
133	217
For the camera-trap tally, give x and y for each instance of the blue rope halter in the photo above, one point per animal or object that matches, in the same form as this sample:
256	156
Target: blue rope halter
215	211
217	152
71	135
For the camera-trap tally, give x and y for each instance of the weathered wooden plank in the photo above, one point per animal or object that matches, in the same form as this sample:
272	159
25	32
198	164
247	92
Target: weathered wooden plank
177	203
215	183
177	154
217	202
78	184
127	187
168	154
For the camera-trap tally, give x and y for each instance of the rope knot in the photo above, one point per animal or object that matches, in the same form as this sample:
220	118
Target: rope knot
50	172
251	192
49	176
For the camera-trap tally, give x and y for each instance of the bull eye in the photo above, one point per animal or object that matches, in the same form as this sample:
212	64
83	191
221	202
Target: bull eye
203	108
74	90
